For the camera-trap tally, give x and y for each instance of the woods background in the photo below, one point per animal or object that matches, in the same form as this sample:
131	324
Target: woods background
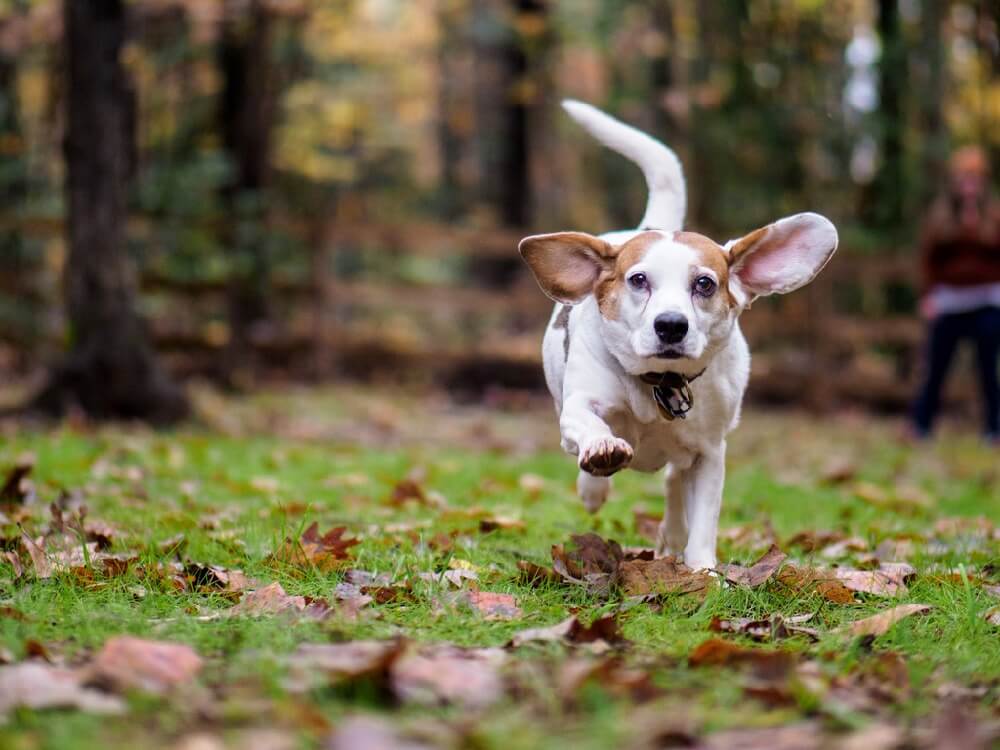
308	190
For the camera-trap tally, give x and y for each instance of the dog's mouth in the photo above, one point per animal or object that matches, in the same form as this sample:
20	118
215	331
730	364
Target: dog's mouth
670	353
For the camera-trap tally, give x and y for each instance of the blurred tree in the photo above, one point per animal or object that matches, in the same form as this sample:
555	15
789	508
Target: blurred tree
110	370
884	205
246	119
510	36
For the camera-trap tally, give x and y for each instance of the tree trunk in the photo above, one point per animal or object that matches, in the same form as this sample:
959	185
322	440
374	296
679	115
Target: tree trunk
507	69
886	207
246	122
935	151
111	370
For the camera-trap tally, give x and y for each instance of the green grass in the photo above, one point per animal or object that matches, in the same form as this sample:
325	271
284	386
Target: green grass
261	489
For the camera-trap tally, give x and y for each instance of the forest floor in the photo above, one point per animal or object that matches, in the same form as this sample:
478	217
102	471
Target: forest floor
350	568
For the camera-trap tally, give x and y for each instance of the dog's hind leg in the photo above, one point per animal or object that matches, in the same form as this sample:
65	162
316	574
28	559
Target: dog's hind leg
593	490
673	533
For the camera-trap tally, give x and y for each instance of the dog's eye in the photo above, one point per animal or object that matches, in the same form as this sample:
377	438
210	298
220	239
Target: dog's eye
705	286
638	281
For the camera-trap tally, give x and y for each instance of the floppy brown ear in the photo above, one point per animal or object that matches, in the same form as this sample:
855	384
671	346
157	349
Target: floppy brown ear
567	265
784	255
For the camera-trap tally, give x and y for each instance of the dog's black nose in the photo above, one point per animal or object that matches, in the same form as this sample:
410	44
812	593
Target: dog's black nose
671	327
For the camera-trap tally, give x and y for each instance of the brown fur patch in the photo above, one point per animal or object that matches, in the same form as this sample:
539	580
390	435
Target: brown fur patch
609	286
746	244
562	322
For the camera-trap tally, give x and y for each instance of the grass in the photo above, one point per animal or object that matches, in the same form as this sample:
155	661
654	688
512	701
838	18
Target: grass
236	496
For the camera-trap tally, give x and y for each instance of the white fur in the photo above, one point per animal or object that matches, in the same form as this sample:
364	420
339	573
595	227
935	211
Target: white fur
660	166
602	404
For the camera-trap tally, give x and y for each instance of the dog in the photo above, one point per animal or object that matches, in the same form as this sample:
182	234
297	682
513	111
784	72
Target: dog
643	355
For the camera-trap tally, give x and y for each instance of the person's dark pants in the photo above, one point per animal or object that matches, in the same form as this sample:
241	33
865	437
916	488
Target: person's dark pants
982	326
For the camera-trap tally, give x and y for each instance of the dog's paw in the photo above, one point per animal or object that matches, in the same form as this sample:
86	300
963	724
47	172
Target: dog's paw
700	561
604	456
670	542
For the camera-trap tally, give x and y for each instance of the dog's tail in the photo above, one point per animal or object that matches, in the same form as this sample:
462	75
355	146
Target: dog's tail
661	167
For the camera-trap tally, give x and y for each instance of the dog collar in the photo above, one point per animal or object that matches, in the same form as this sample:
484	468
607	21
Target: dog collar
671	392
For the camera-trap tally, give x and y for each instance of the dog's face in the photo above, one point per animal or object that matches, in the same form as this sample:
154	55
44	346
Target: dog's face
668	300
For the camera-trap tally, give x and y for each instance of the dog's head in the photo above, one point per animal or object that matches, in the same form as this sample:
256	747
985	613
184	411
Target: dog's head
668	300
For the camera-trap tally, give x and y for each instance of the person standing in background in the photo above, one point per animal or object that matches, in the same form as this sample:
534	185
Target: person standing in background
960	265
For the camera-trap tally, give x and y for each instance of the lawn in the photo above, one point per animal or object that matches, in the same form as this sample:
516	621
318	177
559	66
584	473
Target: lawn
444	502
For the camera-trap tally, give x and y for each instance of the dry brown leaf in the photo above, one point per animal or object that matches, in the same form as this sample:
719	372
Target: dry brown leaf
992	616
339	662
610	674
604	629
590	561
497	523
216	578
16	488
125	662
663	575
449	675
879	624
39	559
801	736
36	685
270	600
887	581
774	628
325	553
716	652
535	575
493	606
822	583
370	733
758	573
810	541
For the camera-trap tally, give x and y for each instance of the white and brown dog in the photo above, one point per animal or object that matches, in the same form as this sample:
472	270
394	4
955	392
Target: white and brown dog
644	355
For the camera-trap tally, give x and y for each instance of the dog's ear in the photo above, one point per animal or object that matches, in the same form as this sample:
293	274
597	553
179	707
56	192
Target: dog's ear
567	265
784	255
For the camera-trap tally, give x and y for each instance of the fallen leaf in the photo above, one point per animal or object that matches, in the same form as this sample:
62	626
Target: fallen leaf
838	470
125	662
448	675
533	484
270	600
716	652
887	582
992	616
822	583
843	547
773	628
879	624
801	736
535	575
16	488
810	541
370	733
39	560
663	575
494	606
758	573
36	685
325	553
571	630
590	561
610	674
340	662
497	523
216	578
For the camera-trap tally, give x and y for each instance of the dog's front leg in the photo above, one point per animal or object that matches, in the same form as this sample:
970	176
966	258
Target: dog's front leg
587	435
703	501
